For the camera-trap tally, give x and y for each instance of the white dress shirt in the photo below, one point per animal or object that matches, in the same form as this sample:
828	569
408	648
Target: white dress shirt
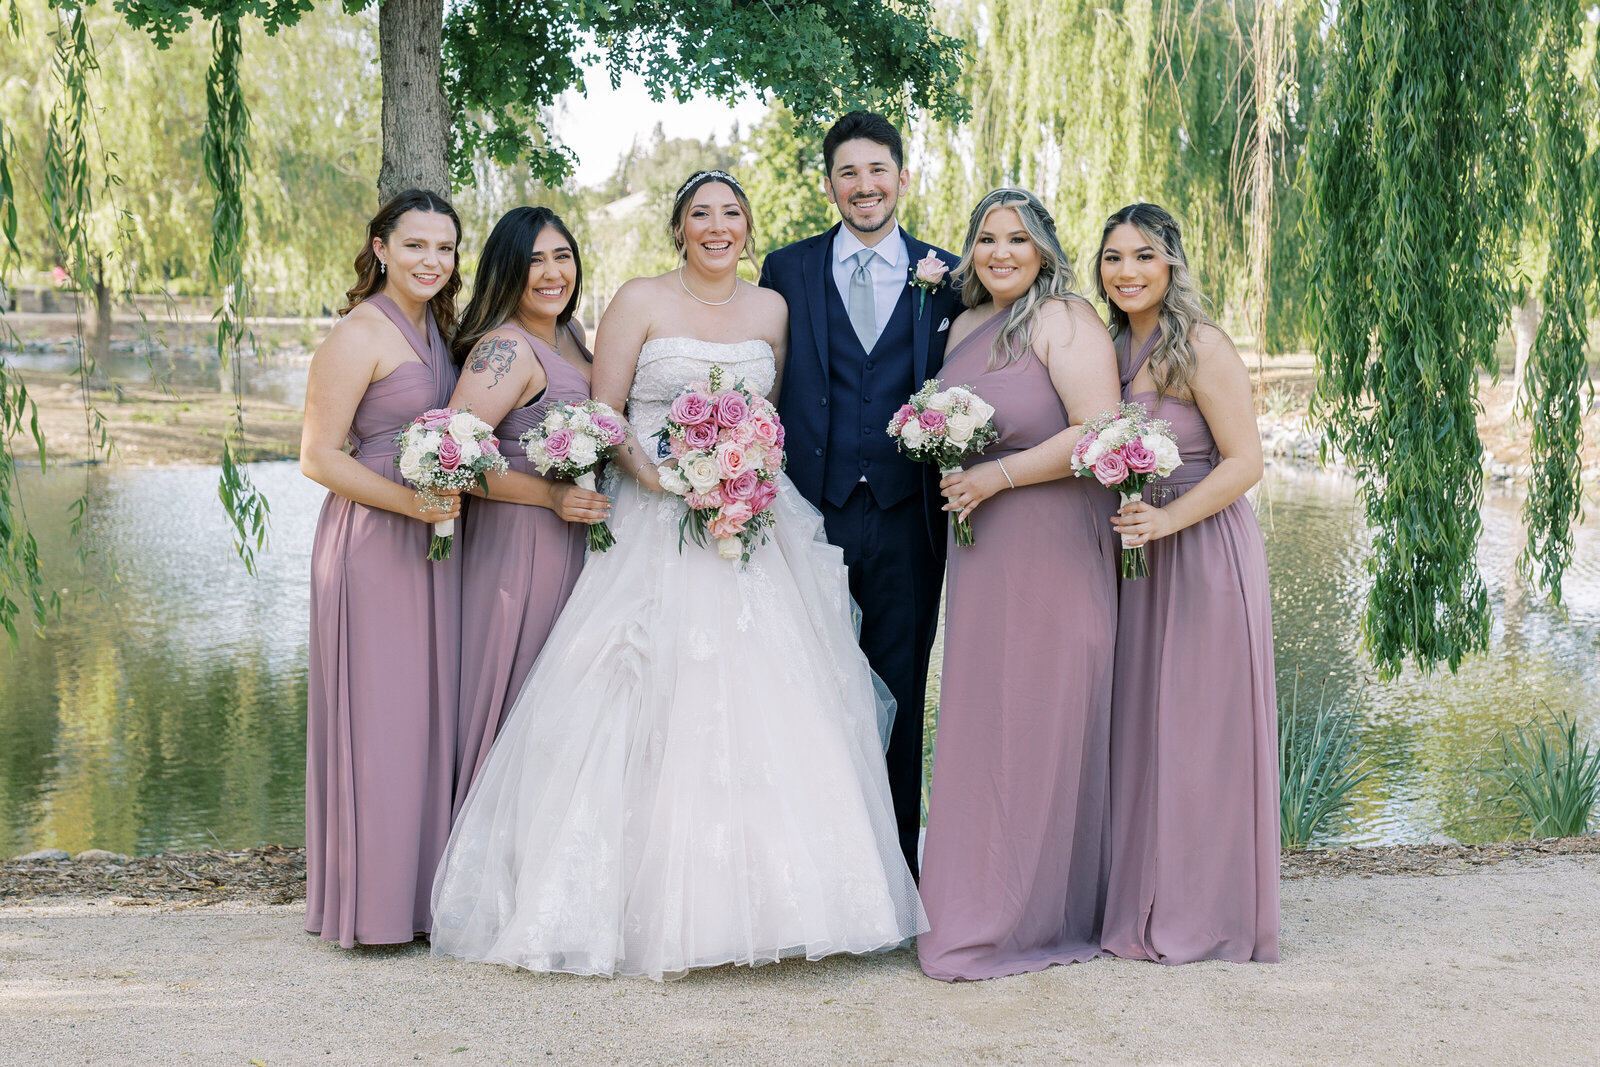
890	269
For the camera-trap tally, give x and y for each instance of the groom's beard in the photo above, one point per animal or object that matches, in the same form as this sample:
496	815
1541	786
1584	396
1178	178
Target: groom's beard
860	225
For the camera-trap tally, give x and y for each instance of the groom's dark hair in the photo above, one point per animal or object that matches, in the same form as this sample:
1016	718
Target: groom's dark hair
867	124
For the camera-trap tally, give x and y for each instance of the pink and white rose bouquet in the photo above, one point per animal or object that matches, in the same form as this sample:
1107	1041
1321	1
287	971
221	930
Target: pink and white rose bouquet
728	446
572	441
445	449
943	428
1126	450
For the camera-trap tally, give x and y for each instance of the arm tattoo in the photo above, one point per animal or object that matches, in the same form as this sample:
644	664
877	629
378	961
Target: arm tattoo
493	355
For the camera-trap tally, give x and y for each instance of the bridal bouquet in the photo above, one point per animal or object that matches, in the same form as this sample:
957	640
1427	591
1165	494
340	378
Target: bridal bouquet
447	449
1125	450
944	428
728	444
571	442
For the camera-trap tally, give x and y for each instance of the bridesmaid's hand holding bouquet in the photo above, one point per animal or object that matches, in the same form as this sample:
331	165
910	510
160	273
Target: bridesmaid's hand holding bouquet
944	428
572	441
1125	450
728	446
446	449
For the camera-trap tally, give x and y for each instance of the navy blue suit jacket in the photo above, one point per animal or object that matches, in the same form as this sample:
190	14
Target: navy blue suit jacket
799	272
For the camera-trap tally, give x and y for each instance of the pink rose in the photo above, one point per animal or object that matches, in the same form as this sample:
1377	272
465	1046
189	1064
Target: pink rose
731	460
780	435
765	430
931	269
691	409
610	428
449	453
558	444
743	487
773	460
702	435
932	421
1110	469
1139	458
702	501
731	410
436	418
677	447
729	522
1084	442
744	434
764	495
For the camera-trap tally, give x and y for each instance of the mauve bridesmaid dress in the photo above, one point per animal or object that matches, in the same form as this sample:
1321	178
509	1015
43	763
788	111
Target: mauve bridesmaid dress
384	674
1194	729
519	564
1015	860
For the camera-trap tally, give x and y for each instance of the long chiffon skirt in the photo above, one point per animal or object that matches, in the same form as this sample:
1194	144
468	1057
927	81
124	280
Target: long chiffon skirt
1194	752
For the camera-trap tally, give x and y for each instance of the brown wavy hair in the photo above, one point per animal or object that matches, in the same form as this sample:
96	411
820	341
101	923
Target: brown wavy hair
370	281
1173	361
681	202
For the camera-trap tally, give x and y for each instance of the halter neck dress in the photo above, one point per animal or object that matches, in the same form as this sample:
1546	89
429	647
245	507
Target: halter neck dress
382	681
1194	738
519	563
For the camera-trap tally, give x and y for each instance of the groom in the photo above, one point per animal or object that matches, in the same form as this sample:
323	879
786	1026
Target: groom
862	339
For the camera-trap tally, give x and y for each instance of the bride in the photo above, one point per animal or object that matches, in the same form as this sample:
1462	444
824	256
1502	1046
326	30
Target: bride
693	773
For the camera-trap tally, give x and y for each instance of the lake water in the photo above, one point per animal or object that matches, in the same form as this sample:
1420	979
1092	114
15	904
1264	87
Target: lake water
166	708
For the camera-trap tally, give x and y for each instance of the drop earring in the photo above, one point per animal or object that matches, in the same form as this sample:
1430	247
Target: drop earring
383	266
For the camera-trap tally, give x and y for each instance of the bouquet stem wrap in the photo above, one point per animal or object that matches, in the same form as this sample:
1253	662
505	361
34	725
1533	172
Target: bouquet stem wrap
443	540
600	537
962	527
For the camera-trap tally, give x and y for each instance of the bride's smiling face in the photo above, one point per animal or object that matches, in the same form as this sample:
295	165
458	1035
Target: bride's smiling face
715	230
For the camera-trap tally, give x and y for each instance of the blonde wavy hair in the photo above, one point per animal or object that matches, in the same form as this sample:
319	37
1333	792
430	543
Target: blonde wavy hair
1056	280
1172	362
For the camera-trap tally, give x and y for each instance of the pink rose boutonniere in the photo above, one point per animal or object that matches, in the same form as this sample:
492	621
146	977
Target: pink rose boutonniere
928	275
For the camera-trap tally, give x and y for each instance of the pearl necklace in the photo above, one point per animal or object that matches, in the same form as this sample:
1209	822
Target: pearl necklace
703	300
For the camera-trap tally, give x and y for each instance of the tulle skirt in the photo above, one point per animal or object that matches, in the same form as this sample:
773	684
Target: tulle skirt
693	772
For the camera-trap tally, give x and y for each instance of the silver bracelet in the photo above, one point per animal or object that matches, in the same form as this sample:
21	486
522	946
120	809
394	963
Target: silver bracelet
1001	464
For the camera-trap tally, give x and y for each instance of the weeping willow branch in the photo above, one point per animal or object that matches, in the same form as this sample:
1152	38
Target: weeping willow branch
225	146
1552	398
1416	184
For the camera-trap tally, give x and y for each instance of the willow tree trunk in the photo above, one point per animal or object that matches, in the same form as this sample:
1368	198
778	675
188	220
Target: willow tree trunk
100	343
1524	328
416	117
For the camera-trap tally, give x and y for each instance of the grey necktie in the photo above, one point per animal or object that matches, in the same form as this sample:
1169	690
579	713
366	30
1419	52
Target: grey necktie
863	306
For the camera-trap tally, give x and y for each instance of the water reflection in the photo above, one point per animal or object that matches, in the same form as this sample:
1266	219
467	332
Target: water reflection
167	709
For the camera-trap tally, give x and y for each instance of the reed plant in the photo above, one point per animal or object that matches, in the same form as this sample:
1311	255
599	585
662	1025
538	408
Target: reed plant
1550	773
1319	769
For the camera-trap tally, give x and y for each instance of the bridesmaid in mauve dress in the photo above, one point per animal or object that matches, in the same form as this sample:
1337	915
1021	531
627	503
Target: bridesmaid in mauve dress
1014	865
1194	738
521	351
384	658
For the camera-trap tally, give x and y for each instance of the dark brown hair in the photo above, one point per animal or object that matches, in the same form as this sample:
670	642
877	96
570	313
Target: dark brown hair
503	275
863	124
370	281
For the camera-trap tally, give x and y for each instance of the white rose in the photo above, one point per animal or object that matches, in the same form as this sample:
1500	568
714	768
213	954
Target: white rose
960	428
464	426
701	472
730	548
755	455
1096	448
552	421
673	481
913	434
583	451
411	464
941	402
428	441
1166	453
980	410
581	422
470	450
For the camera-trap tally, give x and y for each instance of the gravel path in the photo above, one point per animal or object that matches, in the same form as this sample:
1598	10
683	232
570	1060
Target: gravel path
1498	964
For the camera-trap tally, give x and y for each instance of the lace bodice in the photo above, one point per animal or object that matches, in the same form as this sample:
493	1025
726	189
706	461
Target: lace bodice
667	364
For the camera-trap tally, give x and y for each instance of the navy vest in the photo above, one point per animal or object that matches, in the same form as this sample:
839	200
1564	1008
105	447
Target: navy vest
864	391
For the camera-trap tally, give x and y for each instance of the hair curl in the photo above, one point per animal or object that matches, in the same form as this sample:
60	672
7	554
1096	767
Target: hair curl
370	280
502	277
1055	280
1173	360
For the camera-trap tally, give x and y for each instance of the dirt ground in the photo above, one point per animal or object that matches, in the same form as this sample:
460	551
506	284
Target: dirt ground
1490	962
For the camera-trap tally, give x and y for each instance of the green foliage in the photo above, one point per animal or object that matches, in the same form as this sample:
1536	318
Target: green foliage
1416	180
782	171
227	159
1319	770
1551	775
1557	372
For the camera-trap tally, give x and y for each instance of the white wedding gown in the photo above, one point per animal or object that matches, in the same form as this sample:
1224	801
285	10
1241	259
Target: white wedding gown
693	772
